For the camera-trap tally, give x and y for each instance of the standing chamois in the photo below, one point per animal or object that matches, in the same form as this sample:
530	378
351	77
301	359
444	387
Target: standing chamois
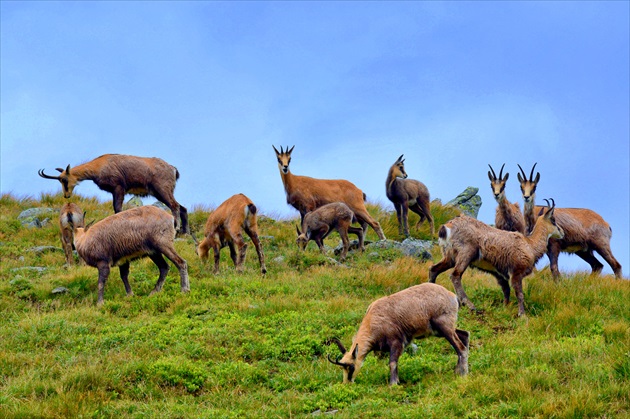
121	174
126	236
466	241
318	224
225	226
585	231
306	193
70	217
392	322
407	194
508	215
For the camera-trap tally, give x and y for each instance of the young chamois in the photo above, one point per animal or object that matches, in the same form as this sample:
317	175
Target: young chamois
318	224
407	194
306	194
392	322
585	231
70	216
508	215
466	241
225	226
126	236
120	174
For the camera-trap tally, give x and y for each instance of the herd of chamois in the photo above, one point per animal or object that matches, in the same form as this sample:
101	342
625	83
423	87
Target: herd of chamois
508	251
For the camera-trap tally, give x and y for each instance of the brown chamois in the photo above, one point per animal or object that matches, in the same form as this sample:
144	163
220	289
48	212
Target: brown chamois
70	217
225	226
306	194
508	215
407	194
126	236
585	231
121	174
318	224
466	241
392	322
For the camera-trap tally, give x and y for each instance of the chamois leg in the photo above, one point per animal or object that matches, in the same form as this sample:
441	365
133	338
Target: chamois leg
118	197
553	250
233	254
405	219
124	275
163	267
103	274
589	257
463	261
217	255
517	284
505	286
398	208
242	249
425	212
445	327
66	242
364	217
443	265
261	256
181	265
343	233
395	350
606	253
359	233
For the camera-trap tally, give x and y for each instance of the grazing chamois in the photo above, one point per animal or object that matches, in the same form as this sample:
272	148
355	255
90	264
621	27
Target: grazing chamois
306	194
121	174
392	322
407	194
318	224
508	215
126	236
225	226
466	241
70	216
585	231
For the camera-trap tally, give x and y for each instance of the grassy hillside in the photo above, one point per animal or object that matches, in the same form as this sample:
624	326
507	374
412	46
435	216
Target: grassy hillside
243	345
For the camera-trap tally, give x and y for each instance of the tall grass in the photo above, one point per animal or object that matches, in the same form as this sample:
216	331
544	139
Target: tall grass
244	345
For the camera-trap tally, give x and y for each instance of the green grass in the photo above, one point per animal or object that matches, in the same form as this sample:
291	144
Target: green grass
244	345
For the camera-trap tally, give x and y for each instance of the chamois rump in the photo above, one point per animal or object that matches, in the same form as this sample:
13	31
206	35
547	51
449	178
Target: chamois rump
318	224
407	194
585	231
392	322
508	215
121	174
70	216
126	236
306	194
225	226
466	241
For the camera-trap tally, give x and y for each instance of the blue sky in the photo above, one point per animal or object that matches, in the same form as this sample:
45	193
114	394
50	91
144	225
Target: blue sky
210	86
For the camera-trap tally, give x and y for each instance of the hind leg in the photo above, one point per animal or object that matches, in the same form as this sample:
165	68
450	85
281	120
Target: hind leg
589	257
445	327
424	211
261	256
606	253
364	217
443	265
163	267
181	265
359	233
395	350
124	275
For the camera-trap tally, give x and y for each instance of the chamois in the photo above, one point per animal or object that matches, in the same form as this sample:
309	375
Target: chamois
225	226
121	174
126	236
392	322
306	193
318	224
407	194
70	216
585	231
466	241
508	215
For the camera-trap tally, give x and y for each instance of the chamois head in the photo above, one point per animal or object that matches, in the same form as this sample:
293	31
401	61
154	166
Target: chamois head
348	361
498	183
398	169
555	230
302	238
68	181
528	187
284	158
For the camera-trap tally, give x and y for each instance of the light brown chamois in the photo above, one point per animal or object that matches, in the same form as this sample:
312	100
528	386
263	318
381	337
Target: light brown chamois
126	236
306	194
407	194
121	174
392	322
585	231
225	226
318	224
70	217
508	215
466	241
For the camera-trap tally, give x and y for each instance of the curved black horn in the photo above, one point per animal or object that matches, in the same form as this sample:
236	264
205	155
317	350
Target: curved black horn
336	362
501	172
338	343
531	175
400	158
493	174
522	171
547	201
553	203
290	150
45	176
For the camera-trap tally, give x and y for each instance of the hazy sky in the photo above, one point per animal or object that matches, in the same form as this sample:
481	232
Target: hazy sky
210	86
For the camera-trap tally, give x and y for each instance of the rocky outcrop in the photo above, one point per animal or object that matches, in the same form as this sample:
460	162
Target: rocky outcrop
468	201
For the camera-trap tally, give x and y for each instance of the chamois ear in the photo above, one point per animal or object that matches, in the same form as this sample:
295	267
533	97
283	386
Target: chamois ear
290	150
400	159
68	170
490	176
507	175
537	177
59	169
355	352
520	178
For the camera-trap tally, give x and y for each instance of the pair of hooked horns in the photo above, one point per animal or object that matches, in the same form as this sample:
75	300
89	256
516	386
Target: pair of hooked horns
287	151
343	351
531	175
60	170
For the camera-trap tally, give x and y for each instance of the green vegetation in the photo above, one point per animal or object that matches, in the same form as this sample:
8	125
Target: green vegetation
244	345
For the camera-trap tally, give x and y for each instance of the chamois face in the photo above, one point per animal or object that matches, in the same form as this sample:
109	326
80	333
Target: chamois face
348	362
284	158
302	239
399	170
68	181
555	231
497	184
528	187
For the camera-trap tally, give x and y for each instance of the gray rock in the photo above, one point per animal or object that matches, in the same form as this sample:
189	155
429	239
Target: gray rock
36	217
29	268
468	201
38	250
354	245
60	290
279	259
161	205
409	247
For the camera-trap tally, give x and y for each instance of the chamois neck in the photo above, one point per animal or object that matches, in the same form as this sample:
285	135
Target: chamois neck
528	213
391	178
83	172
538	239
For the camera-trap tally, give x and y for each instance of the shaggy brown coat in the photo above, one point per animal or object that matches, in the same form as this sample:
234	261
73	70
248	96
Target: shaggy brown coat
508	215
70	216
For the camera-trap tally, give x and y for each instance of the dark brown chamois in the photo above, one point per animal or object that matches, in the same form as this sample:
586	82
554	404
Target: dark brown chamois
508	215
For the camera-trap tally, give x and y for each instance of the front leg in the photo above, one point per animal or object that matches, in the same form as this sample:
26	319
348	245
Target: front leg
124	275
395	351
118	198
103	274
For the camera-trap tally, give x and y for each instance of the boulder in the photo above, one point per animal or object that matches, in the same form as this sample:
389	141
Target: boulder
37	217
468	201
